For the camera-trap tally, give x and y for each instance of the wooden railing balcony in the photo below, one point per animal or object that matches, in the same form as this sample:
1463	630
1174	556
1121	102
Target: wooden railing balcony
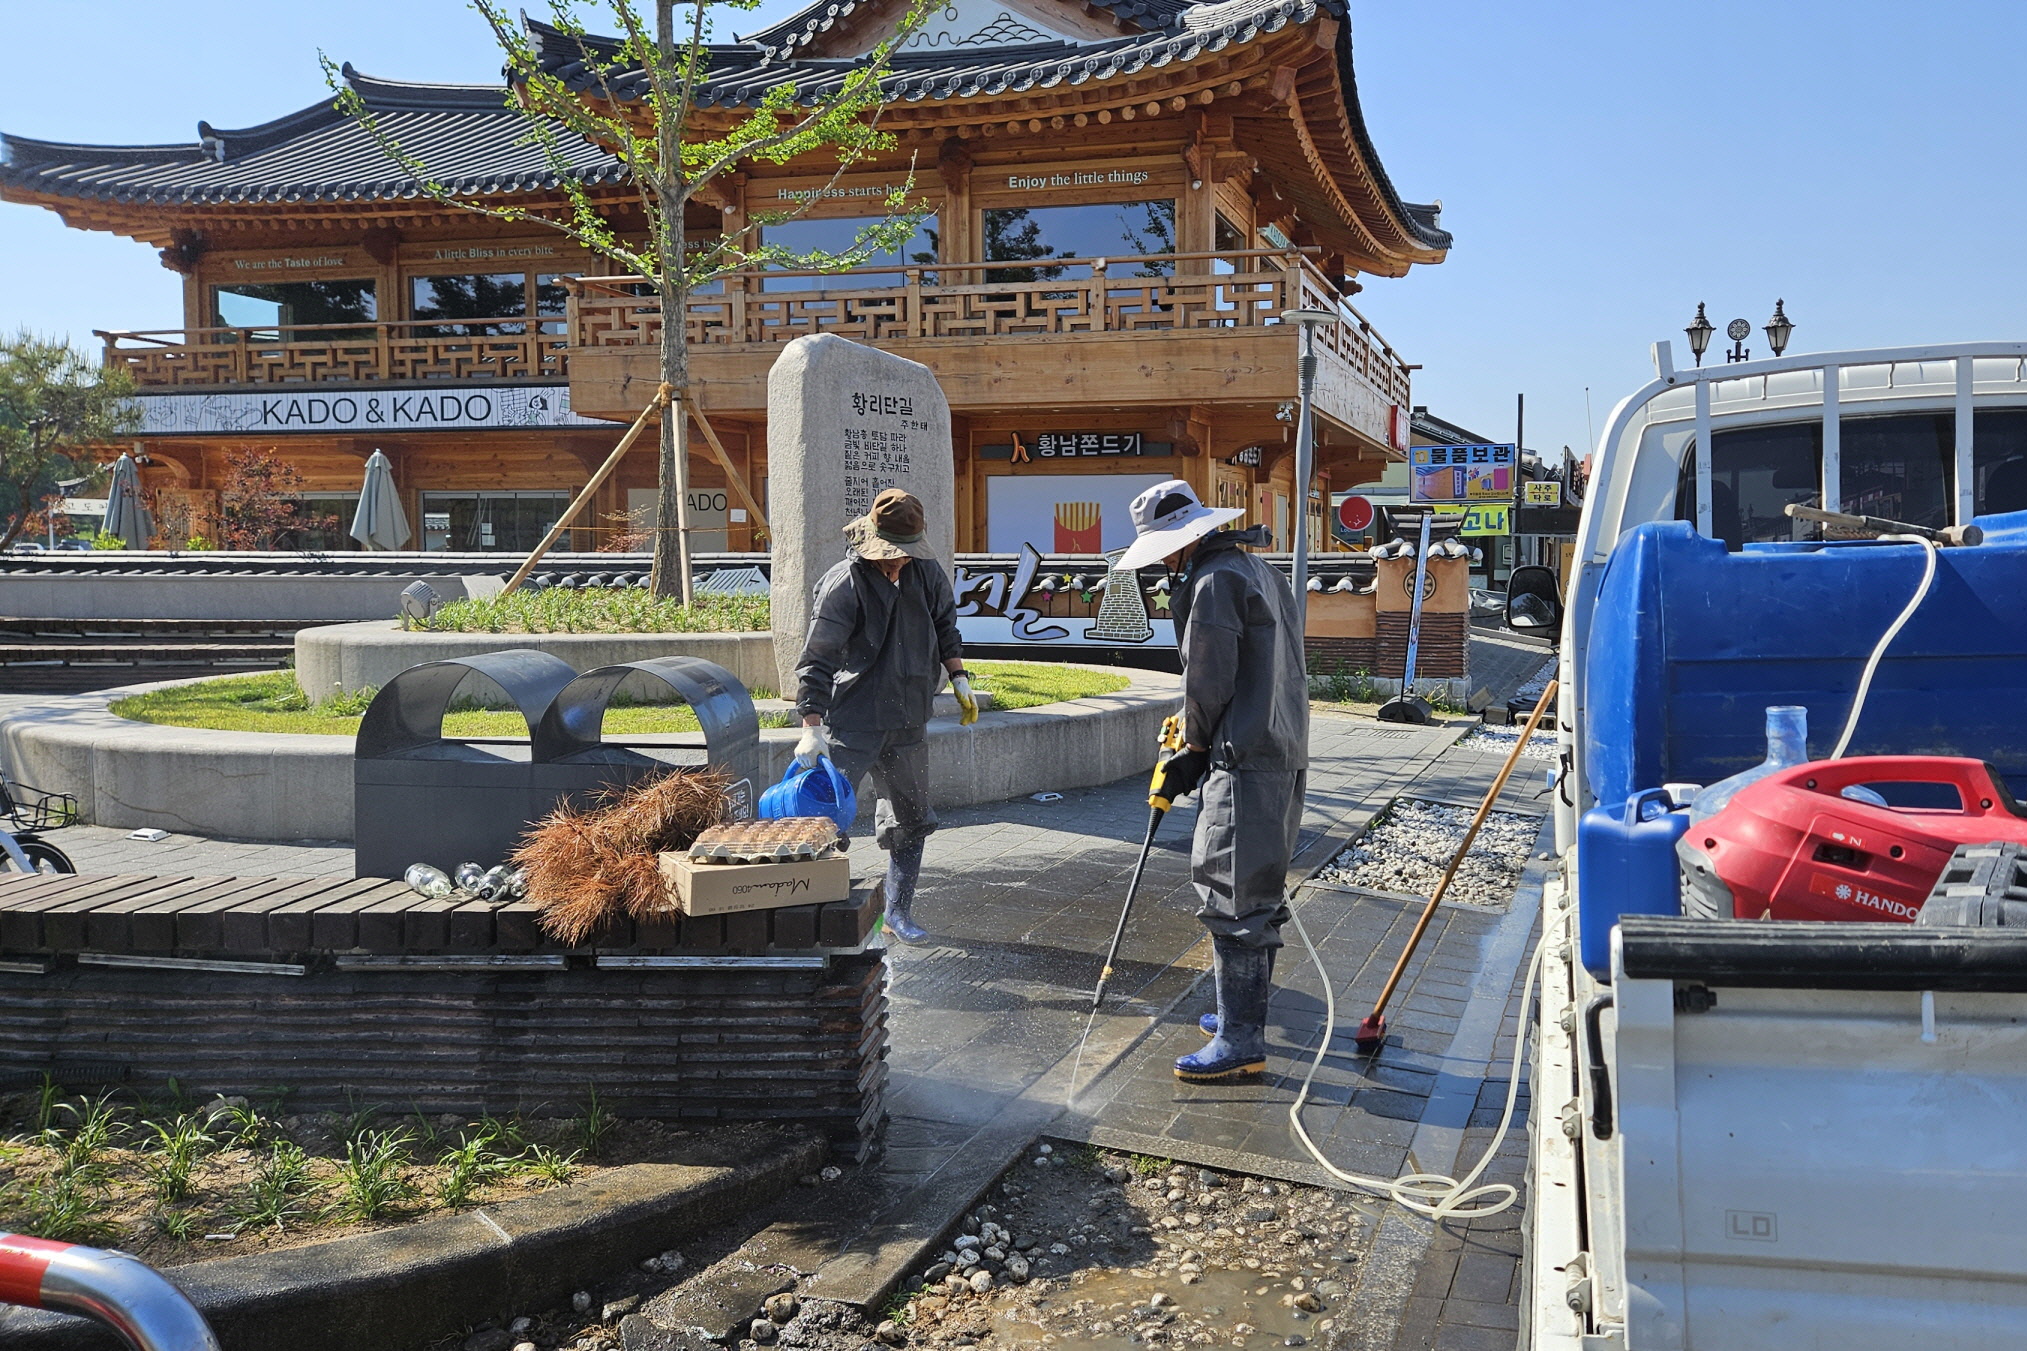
419	349
1162	293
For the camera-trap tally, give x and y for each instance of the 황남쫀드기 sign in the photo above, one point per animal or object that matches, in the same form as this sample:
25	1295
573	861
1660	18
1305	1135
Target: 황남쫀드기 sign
1462	473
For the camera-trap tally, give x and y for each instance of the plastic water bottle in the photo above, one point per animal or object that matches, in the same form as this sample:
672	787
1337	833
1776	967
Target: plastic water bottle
427	881
1787	744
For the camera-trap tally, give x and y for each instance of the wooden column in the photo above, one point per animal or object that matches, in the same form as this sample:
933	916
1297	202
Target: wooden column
957	230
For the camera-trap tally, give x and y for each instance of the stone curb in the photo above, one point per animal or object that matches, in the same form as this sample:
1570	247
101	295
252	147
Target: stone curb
350	657
287	786
408	1286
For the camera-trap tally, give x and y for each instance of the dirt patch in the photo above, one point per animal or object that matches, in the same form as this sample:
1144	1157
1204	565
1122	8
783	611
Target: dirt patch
1093	1249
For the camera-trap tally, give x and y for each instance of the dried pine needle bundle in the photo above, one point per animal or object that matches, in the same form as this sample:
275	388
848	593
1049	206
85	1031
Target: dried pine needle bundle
588	866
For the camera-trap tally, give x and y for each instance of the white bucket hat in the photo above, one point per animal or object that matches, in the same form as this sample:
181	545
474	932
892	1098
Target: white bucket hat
1167	517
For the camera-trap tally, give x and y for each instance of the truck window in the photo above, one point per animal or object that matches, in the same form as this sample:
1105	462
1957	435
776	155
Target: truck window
1755	472
1901	468
1999	460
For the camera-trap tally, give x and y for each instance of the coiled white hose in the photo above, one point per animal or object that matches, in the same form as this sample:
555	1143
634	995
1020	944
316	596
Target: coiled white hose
1434	1195
1928	576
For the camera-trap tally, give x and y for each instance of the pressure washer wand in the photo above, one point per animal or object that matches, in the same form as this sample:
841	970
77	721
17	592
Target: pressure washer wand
1369	1033
1171	739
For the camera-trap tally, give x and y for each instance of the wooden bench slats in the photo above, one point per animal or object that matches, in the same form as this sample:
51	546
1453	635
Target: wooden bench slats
110	927
150	914
335	927
246	923
157	927
63	926
288	926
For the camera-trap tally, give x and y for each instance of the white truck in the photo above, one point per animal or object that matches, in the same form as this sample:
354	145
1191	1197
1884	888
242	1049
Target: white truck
1750	1134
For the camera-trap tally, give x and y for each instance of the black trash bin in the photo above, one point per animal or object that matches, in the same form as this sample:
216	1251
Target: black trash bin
419	797
569	735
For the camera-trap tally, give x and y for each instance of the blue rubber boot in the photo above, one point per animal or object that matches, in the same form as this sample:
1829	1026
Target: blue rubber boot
904	870
1208	1024
1239	1049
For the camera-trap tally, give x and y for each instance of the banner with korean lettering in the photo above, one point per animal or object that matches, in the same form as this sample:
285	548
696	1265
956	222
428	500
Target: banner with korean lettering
1473	473
1481	518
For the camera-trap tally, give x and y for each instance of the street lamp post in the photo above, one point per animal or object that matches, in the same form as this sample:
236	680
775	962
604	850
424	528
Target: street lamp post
1305	447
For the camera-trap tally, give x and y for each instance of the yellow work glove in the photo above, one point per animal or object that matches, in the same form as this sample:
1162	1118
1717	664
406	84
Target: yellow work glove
960	685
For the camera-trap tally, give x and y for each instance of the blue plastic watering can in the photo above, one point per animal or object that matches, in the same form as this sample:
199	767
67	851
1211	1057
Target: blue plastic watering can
817	791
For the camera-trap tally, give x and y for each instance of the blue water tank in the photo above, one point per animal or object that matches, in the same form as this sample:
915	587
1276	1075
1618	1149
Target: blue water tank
1626	858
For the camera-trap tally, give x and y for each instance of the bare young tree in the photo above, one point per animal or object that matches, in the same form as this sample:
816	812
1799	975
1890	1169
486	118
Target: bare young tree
636	95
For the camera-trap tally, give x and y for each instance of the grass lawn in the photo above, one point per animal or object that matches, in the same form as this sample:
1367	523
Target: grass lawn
272	702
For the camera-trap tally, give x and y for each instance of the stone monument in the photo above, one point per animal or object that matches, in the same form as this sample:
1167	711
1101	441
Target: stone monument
844	421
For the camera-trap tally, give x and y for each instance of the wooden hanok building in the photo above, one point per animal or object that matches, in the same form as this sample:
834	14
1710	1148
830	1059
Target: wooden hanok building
1121	199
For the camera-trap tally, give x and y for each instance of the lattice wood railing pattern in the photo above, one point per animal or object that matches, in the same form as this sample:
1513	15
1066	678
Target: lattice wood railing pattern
480	349
980	300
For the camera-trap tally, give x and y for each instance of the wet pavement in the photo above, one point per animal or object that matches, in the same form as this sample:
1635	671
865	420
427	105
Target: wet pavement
986	1023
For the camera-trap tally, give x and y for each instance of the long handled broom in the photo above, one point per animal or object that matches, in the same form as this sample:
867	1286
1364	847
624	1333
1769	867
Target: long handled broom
1374	1029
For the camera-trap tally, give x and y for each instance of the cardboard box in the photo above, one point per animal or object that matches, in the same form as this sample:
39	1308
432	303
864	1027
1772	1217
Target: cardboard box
724	888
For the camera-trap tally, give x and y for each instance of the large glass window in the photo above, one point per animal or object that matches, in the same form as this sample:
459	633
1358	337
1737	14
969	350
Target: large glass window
486	522
1110	230
1755	472
1900	468
468	296
835	235
271	308
1999	460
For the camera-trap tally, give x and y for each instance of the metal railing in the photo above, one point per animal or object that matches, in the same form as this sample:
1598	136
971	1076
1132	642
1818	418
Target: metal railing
516	348
120	1291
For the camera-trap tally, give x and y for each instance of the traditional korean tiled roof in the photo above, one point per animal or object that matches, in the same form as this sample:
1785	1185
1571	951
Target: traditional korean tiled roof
1171	32
469	138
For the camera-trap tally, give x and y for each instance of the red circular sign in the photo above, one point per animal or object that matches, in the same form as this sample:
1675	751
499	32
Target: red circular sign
1355	513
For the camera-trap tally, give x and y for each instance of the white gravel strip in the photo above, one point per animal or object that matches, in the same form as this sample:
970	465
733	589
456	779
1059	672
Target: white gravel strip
1409	850
1499	740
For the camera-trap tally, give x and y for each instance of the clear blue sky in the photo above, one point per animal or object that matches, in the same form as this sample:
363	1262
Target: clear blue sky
1604	166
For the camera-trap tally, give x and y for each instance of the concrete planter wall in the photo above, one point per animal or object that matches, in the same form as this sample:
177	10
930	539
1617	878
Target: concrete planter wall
351	657
268	786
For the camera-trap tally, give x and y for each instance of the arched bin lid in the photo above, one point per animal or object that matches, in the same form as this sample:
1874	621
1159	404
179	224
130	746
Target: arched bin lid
571	729
407	714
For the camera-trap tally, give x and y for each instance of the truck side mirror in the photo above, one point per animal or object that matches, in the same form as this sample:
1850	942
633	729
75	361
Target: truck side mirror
1534	602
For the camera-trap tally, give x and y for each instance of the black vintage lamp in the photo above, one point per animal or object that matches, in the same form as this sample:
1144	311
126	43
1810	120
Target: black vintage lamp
1699	333
1778	328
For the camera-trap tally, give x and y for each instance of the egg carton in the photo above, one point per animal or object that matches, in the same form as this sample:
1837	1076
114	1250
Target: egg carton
783	840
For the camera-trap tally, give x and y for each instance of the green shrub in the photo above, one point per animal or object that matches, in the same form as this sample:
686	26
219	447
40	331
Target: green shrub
601	610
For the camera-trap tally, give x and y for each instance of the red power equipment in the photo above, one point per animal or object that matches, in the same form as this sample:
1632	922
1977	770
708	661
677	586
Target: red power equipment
1793	847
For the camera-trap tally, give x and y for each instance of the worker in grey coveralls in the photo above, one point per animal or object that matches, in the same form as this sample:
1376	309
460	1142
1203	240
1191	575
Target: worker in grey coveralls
882	639
1246	732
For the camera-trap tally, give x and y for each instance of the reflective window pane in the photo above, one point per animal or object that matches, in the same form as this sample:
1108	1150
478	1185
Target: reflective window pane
552	301
1755	473
1900	468
269	308
1999	461
835	236
488	295
1110	230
